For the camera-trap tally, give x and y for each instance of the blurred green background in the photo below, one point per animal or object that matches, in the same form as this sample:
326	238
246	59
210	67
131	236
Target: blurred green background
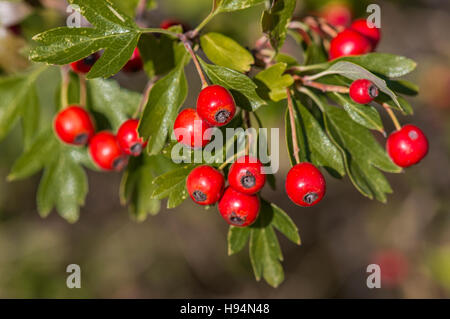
182	253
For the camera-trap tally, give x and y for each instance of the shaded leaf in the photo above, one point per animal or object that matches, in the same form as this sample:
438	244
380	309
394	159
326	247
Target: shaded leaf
234	5
237	239
276	19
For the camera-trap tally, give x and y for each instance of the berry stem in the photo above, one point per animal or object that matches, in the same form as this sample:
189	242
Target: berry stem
231	159
145	96
83	90
305	81
293	130
322	25
205	21
159	30
65	80
188	46
394	119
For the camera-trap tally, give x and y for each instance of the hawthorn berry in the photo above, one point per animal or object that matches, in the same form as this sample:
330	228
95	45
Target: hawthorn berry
349	42
128	138
246	175
106	153
216	105
373	34
191	130
363	91
205	185
85	65
166	24
239	209
394	267
337	14
305	184
135	63
407	146
73	125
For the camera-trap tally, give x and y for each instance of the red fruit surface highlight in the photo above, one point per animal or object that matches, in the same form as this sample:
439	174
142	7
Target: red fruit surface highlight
349	42
216	105
245	175
106	153
305	184
85	65
205	185
191	130
73	125
135	63
363	91
239	209
408	146
128	138
373	34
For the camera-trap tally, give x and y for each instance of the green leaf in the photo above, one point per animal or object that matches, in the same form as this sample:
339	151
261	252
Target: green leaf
113	31
237	238
403	87
109	99
315	145
63	186
241	86
224	51
363	155
36	157
389	65
275	21
234	5
275	81
30	112
166	97
282	222
366	115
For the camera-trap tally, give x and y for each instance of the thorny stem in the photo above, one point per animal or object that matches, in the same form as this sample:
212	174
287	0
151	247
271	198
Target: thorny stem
188	46
145	96
388	109
83	90
65	79
293	130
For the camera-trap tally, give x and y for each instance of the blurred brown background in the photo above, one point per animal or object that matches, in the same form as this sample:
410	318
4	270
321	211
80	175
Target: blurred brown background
182	253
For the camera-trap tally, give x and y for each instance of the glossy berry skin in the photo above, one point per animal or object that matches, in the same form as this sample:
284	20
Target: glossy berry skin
216	105
305	184
239	209
128	138
205	185
349	42
373	34
135	63
246	175
191	130
73	125
85	65
363	91
106	153
408	146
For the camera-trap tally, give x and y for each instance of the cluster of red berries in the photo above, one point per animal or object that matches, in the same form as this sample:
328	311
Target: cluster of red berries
215	107
358	39
74	126
238	203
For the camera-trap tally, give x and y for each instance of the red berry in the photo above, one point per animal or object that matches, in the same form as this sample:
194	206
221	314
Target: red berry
408	146
106	152
85	65
205	185
246	175
239	209
166	24
128	138
337	14
73	125
135	63
305	184
363	91
393	266
191	130
216	105
373	34
349	42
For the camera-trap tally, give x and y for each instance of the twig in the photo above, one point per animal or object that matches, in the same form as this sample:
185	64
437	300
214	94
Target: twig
188	46
318	23
83	89
141	10
388	109
65	80
293	126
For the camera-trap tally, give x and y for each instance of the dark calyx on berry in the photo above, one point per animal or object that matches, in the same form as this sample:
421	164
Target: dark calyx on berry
120	163
310	198
90	60
222	116
236	220
248	180
81	138
373	91
199	196
136	149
